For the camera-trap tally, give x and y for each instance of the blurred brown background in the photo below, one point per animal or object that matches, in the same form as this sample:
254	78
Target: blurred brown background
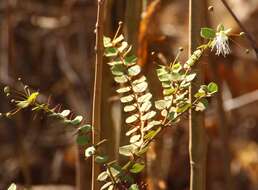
50	45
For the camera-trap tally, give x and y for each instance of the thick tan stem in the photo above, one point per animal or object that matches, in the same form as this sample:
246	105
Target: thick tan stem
197	135
96	109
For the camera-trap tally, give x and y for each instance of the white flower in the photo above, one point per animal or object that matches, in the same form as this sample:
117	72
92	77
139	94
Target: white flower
220	43
90	151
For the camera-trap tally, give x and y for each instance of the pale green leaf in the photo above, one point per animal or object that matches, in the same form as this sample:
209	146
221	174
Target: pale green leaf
151	124
65	113
145	97
126	99
106	185
134	70
137	168
148	115
145	106
140	87
140	80
135	138
176	68
127	150
129	108
132	118
134	187
121	79
123	89
107	41
133	130
123	47
102	176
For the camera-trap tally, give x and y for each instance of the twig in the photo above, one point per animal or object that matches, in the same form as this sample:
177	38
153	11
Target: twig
248	35
197	134
96	112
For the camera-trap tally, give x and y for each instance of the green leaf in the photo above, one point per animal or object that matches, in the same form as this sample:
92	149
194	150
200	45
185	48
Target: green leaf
140	80
151	134
132	118
126	99
212	88
162	104
123	47
65	113
176	68
123	89
165	77
107	41
127	150
190	77
145	106
129	108
106	185
201	105
134	187
23	104
134	70
115	62
118	69
82	140
148	115
85	128
172	116
110	52
77	120
168	91
145	97
151	124
141	87
208	33
137	168
129	60
102	176
101	159
135	138
182	108
121	79
133	130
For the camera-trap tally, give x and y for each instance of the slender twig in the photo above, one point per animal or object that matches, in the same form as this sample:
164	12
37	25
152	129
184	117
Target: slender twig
248	35
96	112
197	135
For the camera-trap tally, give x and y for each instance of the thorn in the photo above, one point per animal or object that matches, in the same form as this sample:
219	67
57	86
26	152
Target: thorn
247	51
181	49
19	79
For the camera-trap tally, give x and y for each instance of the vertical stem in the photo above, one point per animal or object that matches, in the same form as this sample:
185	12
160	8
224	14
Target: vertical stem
96	108
197	135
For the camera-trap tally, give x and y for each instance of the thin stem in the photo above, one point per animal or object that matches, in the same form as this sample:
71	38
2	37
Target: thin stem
248	35
96	112
197	135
